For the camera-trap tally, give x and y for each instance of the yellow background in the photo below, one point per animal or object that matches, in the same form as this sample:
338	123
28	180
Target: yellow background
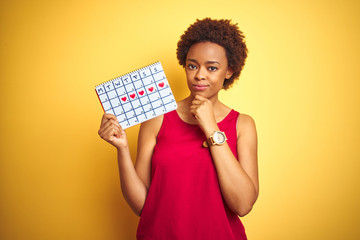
59	180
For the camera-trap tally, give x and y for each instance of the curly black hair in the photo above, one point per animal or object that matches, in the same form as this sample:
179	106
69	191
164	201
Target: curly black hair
221	32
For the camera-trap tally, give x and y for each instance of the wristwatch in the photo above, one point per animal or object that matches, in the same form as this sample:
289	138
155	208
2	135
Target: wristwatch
217	138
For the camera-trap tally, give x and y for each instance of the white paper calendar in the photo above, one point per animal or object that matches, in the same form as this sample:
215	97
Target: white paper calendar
137	96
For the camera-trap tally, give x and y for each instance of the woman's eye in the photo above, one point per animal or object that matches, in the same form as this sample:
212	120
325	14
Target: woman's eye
213	69
191	67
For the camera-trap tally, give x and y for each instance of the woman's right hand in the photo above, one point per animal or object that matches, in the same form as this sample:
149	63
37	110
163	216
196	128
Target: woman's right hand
111	131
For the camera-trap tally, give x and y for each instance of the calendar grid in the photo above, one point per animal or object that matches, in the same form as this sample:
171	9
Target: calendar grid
117	94
128	94
157	86
144	85
108	98
137	96
152	76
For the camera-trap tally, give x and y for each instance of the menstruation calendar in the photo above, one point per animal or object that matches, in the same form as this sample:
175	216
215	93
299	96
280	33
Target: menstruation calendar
137	96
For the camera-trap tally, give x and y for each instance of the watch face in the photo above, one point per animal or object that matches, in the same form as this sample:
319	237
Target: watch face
219	137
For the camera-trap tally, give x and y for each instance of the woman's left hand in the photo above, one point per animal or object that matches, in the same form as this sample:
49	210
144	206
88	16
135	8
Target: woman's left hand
202	110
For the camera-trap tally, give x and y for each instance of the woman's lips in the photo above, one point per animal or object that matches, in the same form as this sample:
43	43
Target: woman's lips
200	87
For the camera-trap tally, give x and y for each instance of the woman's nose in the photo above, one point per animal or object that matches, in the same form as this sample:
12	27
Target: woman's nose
200	74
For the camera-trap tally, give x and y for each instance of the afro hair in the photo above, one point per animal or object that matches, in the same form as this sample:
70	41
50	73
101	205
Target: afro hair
221	32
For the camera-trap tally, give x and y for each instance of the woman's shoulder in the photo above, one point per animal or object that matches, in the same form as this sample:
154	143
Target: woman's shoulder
245	119
152	126
245	124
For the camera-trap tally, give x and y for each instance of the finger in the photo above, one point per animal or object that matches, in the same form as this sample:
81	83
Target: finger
122	132
198	97
196	102
107	116
193	108
108	121
193	111
119	132
201	99
116	132
110	124
110	132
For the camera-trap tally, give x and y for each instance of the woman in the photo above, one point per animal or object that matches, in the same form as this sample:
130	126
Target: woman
196	168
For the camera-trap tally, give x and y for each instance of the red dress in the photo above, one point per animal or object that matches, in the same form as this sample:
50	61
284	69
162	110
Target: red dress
184	200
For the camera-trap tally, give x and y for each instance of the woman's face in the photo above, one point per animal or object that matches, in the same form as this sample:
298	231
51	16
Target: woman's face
206	69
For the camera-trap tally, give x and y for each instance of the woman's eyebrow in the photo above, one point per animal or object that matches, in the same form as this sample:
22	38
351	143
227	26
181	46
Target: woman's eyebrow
213	62
191	60
208	62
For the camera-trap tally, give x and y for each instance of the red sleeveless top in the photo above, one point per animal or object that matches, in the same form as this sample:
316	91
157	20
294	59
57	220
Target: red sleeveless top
184	199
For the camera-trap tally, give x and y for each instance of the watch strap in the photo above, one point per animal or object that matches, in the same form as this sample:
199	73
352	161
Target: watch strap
207	142
210	141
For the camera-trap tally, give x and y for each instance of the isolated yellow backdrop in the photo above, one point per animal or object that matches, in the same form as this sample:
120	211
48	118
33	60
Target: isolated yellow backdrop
59	180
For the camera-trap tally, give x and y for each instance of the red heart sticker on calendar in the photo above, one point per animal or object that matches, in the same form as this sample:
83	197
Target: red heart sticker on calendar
151	89
123	98
132	95
141	93
161	84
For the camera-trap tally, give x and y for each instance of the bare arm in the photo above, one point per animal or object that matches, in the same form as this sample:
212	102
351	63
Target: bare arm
135	181
238	179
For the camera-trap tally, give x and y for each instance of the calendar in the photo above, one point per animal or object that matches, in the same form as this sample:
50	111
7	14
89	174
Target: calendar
137	96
